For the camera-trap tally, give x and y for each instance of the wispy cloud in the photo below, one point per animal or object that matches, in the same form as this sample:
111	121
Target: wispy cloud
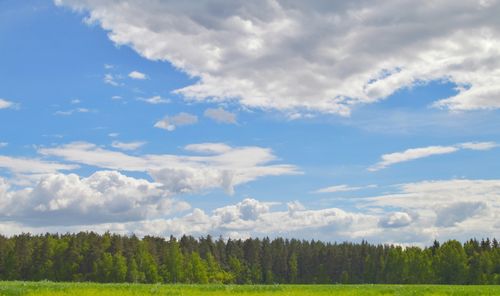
342	188
111	79
423	152
33	165
4	104
72	111
155	100
127	145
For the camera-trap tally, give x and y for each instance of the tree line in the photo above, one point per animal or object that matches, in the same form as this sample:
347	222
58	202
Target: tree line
88	256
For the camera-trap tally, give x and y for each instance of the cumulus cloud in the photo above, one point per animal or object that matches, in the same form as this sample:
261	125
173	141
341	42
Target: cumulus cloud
224	167
220	115
189	179
104	196
169	123
137	75
127	145
257	218
395	220
155	100
318	56
448	208
423	152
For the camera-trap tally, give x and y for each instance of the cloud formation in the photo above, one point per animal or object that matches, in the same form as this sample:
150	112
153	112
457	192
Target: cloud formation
127	145
225	167
423	152
170	123
220	115
72	111
444	209
316	56
111	79
342	188
137	75
416	213
155	100
4	104
105	196
33	165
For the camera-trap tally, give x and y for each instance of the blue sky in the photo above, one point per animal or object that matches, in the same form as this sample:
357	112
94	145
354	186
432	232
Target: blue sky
165	118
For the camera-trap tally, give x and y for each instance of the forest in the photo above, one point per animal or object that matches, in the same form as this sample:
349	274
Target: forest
88	256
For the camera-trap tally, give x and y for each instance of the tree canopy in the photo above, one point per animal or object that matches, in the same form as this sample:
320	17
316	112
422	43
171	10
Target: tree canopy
87	256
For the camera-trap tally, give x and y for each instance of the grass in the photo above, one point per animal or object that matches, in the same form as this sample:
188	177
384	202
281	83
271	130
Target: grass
91	289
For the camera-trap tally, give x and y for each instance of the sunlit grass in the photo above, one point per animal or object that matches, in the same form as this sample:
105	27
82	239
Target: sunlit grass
91	289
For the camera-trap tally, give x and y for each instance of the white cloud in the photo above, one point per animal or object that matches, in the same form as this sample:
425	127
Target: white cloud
105	196
446	209
127	145
194	179
220	115
417	213
423	152
3	144
396	220
113	135
210	148
72	111
116	98
33	166
225	167
155	100
318	56
455	213
169	123
253	217
342	188
137	75
479	145
75	101
165	124
111	79
4	104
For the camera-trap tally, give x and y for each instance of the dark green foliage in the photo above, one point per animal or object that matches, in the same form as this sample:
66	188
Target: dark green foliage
87	256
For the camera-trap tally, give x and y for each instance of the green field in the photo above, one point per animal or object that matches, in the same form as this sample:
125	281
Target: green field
60	289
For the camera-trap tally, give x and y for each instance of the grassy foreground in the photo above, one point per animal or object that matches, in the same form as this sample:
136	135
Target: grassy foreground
87	289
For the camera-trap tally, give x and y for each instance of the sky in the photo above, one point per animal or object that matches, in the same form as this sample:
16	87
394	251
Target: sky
330	120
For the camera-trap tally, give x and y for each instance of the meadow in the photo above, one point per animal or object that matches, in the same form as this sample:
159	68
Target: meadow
91	289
